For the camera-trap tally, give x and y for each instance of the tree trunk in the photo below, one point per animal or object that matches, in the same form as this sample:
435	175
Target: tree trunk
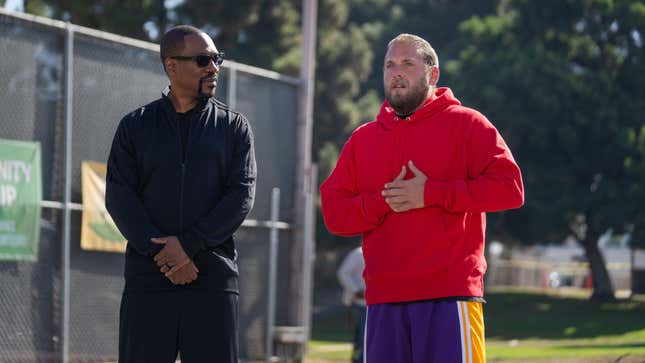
603	290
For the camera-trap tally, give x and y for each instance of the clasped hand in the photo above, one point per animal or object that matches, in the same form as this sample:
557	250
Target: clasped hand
173	261
403	195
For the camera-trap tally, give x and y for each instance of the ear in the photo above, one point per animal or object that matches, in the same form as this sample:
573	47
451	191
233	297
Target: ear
170	65
434	75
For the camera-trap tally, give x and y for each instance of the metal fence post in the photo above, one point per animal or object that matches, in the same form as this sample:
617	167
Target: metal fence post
308	255
231	90
302	187
69	74
273	271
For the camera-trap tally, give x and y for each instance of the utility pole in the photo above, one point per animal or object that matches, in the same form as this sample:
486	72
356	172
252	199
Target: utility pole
302	249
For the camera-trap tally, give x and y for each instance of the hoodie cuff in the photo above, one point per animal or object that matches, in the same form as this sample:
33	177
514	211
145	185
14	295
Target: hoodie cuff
435	193
154	249
191	243
375	207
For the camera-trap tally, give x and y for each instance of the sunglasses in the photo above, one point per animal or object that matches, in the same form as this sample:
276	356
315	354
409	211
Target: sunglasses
202	60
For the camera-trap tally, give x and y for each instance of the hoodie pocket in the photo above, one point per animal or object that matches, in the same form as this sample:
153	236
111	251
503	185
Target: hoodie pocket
454	225
407	243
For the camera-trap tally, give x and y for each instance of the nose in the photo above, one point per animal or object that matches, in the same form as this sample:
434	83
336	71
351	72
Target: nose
213	67
396	77
394	71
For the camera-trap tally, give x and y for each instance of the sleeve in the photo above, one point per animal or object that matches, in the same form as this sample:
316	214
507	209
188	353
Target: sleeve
494	182
121	199
346	210
226	217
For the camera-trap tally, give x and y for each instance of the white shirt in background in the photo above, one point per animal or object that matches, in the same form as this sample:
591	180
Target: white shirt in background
350	276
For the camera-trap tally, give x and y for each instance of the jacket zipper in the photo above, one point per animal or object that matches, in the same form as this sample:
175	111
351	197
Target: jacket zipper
184	160
183	157
181	196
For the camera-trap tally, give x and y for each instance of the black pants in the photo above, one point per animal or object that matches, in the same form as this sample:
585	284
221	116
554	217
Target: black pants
202	326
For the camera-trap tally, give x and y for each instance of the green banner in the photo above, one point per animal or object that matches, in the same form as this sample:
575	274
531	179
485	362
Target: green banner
20	194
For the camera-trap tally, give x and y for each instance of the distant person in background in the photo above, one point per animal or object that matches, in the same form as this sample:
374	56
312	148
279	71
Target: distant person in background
180	181
416	183
350	276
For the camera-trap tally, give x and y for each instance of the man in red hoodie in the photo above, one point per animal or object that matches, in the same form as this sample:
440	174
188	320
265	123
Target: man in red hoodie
416	184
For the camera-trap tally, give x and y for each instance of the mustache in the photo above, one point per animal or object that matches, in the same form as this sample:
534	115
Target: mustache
398	82
208	77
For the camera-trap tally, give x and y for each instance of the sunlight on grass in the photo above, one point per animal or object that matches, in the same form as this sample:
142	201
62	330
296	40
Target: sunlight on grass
326	351
574	349
632	343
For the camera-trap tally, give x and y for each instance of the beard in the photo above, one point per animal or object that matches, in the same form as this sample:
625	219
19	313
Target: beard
405	104
204	91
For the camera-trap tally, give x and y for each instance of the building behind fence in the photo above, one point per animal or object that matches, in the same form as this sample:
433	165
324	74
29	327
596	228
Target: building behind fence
110	76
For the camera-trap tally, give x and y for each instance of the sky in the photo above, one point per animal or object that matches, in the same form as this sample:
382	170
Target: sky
14	5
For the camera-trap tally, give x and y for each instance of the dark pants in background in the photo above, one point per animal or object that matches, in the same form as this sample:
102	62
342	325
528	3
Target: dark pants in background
359	333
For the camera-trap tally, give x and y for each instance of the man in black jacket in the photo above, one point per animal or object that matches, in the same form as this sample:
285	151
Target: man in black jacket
180	181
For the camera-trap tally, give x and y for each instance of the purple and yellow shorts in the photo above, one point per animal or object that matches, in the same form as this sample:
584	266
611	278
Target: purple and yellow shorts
425	332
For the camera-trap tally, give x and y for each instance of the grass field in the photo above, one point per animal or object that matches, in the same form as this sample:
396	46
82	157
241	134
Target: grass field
527	326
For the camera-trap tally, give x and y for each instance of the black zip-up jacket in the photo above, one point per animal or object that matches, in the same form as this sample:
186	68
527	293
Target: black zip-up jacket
153	190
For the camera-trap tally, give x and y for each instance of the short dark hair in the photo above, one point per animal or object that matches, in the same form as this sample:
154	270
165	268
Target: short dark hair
172	43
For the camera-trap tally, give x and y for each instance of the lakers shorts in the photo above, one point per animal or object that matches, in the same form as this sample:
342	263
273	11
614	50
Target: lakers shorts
425	332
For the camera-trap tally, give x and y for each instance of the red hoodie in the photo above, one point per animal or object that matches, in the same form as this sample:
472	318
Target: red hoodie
436	251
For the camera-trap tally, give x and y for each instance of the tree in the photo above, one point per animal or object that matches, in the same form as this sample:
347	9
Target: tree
260	33
560	80
133	18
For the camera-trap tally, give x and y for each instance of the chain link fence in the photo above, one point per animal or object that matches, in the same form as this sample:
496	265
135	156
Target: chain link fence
112	76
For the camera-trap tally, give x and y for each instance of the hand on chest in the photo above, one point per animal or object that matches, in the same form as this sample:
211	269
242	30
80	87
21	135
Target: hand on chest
437	152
